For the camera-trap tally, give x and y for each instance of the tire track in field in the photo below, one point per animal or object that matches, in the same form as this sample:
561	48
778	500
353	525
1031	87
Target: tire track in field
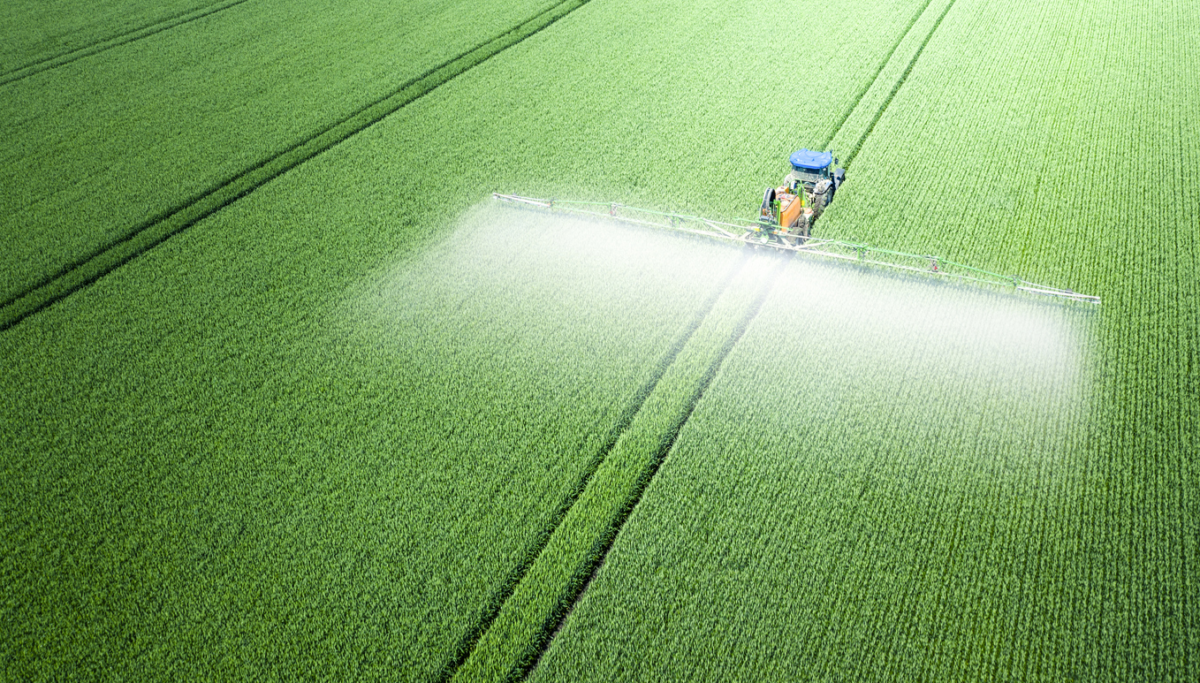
605	544
80	273
55	61
896	88
878	72
491	610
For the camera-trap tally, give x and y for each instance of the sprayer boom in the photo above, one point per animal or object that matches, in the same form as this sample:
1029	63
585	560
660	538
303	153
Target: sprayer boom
765	235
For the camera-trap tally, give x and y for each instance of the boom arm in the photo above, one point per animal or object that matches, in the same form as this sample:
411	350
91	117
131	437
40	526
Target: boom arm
934	266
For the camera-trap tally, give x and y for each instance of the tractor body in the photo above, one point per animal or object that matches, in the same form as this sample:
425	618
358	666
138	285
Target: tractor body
788	211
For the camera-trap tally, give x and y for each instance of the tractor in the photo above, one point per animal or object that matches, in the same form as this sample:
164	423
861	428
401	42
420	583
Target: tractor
789	211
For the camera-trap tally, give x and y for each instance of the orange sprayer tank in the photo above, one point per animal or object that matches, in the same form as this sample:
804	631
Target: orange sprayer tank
789	209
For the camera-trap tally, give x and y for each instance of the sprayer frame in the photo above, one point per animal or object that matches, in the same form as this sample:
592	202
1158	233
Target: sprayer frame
752	231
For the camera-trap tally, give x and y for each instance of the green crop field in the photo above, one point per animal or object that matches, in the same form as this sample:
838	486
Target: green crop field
289	396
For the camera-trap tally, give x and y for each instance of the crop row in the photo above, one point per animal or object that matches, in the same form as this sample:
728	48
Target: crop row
874	509
859	122
549	589
421	437
312	455
672	105
951	486
101	149
309	437
35	33
76	274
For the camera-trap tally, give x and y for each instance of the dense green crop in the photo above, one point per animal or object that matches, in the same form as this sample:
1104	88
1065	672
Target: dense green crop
39	34
323	416
855	496
227	358
178	124
948	486
551	585
357	467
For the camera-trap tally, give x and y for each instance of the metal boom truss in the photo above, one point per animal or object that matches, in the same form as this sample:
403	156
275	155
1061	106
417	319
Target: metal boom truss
752	232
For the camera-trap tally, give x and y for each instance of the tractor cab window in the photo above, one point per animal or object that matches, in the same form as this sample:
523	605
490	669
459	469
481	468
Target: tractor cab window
810	176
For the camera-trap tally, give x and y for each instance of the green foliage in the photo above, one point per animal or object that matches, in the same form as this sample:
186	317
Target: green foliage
343	425
550	586
118	149
852	496
336	485
33	32
947	485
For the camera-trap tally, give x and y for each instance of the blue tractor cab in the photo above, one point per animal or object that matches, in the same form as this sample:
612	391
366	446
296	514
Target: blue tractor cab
810	168
808	160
